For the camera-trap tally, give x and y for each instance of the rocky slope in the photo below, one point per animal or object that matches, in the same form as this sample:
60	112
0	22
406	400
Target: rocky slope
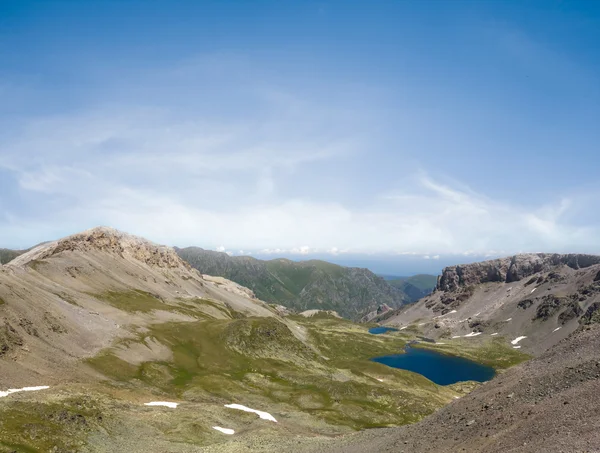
537	296
352	292
53	299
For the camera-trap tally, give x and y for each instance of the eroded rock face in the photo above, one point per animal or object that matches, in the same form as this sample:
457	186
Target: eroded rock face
509	269
108	240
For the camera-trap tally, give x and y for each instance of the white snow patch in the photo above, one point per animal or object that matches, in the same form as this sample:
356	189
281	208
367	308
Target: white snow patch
533	290
224	430
516	347
457	397
477	314
494	334
516	340
440	343
455	336
24	389
162	403
422	324
558	328
449	313
472	334
509	289
402	328
380	380
261	414
509	319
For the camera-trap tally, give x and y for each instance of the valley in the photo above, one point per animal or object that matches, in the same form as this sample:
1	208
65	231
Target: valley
112	343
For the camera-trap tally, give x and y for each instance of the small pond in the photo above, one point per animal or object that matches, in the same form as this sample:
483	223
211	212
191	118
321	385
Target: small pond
439	368
380	329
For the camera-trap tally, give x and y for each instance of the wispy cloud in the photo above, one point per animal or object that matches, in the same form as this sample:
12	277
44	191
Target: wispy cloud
285	176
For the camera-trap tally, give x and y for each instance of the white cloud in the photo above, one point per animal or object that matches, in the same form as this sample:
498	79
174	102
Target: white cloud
278	181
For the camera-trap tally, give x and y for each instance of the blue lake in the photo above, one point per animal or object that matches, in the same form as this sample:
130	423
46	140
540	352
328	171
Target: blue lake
439	368
380	330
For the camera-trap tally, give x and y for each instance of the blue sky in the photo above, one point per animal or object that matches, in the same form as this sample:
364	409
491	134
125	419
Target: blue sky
391	130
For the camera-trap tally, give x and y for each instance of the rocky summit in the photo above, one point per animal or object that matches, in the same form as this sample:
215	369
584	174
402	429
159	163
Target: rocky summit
512	269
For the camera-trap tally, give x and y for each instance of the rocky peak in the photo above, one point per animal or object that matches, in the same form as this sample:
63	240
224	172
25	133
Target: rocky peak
109	240
509	269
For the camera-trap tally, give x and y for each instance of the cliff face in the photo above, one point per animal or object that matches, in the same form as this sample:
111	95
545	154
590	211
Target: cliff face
510	269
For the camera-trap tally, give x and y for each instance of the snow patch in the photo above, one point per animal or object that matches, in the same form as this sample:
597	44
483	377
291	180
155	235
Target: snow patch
516	340
24	389
162	403
449	313
516	347
472	334
440	343
422	324
533	290
494	334
224	430
509	319
558	328
402	328
455	336
261	414
476	314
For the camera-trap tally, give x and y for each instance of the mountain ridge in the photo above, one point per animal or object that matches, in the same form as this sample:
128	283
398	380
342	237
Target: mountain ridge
540	296
301	285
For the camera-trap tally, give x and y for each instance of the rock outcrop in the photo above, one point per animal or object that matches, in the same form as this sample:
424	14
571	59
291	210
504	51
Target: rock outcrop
510	269
109	240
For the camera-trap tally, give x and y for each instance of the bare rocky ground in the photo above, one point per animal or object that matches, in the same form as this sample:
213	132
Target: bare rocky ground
538	296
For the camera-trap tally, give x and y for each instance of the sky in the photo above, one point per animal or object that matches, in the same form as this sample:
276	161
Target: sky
404	134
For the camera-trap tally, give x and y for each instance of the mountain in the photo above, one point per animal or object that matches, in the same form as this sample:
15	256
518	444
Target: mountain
7	255
416	286
304	285
109	342
68	299
95	326
540	296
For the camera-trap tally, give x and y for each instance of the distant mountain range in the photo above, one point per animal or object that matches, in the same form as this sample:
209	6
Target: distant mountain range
415	287
7	255
314	284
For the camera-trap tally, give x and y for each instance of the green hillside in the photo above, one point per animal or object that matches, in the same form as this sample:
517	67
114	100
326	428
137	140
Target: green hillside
7	255
416	286
314	284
